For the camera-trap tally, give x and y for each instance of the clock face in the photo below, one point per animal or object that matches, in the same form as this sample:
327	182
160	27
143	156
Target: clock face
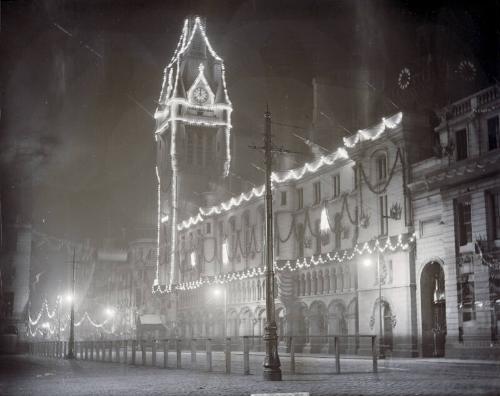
404	78
200	95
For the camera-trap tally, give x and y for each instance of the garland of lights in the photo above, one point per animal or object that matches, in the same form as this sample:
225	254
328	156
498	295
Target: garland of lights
374	132
297	174
293	265
34	323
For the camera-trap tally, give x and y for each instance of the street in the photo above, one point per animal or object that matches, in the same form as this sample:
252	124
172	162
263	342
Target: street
28	375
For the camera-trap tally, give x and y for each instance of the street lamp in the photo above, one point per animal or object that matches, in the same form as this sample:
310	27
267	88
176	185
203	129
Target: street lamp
368	262
217	293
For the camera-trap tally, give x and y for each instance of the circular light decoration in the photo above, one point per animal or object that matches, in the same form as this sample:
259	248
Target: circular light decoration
404	78
467	70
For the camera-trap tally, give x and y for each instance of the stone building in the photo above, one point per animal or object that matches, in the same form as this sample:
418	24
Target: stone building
392	233
456	203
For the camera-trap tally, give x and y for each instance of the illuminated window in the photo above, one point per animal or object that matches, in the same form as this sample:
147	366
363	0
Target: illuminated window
384	224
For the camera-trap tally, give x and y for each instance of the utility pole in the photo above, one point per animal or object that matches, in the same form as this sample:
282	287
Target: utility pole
71	346
272	370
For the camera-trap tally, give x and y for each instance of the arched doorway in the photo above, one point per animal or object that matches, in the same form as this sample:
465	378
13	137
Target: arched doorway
318	325
433	309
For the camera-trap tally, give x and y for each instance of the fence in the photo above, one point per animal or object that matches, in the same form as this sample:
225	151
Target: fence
231	354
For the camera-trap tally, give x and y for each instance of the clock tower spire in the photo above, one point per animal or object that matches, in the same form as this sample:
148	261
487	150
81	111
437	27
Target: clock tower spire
193	124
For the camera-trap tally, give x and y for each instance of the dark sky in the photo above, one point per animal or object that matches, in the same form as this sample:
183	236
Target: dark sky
80	80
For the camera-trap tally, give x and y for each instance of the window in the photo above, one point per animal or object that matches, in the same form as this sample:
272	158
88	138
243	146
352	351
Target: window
464	222
209	228
494	211
461	138
381	167
493	133
384	224
318	237
283	198
300	198
336	185
317	192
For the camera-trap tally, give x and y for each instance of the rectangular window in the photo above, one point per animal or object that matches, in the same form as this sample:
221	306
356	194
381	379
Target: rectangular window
493	133
381	167
336	185
464	222
384	224
495	214
461	138
283	198
209	228
300	198
317	192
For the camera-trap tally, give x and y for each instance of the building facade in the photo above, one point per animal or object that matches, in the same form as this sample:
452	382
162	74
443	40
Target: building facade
456	203
390	234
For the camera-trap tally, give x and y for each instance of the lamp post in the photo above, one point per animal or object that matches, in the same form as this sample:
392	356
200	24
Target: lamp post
272	370
71	343
217	293
368	262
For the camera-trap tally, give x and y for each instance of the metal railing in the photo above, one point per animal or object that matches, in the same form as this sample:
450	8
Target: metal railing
230	354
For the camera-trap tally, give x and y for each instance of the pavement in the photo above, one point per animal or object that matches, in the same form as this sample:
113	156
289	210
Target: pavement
33	375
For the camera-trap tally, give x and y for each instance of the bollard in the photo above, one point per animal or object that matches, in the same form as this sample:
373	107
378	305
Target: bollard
65	348
134	346
228	355
179	356
125	351
193	352
110	351
153	353
246	355
143	350
103	350
61	350
208	346
292	355
91	350
86	350
337	355
117	351
97	351
165	353
374	354
75	349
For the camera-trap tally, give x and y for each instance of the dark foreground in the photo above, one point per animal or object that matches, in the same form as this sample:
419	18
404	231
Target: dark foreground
27	375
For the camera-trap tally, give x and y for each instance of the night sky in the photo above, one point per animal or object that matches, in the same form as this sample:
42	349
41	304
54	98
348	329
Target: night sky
80	80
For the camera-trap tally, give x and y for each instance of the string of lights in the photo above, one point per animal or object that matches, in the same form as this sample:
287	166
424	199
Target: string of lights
401	242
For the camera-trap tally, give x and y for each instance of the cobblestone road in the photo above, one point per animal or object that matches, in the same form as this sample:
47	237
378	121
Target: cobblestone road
27	375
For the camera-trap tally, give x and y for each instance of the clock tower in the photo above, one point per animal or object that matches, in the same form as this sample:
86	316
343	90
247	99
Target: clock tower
193	124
